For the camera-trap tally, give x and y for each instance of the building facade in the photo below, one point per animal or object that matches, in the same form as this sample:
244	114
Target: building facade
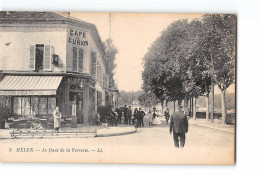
51	59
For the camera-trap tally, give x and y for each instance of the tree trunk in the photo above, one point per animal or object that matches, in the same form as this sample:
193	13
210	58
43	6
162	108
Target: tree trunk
186	104
223	105
207	106
174	106
194	109
212	103
162	106
191	107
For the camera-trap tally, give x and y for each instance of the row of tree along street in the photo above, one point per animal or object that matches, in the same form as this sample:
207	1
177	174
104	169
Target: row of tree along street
189	58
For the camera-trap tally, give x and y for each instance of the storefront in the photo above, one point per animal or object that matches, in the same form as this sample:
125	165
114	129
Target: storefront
55	61
39	95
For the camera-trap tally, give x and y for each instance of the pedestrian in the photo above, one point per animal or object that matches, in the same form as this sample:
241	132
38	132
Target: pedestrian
150	118
135	116
179	127
167	115
141	115
57	116
155	120
129	115
119	115
125	115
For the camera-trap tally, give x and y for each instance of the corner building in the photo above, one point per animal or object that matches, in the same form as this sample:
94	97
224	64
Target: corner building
50	59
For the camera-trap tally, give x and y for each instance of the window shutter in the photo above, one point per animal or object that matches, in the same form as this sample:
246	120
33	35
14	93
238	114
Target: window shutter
107	81
94	64
47	57
80	60
98	72
32	57
104	80
101	76
75	61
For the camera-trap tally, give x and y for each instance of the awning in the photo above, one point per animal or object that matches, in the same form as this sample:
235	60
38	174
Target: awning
30	85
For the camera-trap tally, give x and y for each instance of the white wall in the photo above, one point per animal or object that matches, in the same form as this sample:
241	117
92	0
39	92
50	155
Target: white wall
15	56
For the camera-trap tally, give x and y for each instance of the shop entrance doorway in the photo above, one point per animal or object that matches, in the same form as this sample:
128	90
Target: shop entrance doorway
76	98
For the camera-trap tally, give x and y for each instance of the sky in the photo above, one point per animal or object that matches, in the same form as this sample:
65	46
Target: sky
132	34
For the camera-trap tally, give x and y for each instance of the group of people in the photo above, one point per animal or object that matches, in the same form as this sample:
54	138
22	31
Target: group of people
130	118
178	120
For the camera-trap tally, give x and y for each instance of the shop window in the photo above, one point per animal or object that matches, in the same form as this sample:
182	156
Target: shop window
33	105
43	106
17	105
51	105
40	57
94	64
26	108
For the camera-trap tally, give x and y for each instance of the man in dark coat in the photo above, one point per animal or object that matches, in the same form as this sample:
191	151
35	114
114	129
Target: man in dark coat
125	115
134	116
141	116
119	115
129	115
179	126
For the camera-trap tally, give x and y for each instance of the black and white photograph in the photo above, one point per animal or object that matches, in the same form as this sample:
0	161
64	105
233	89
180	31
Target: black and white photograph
89	87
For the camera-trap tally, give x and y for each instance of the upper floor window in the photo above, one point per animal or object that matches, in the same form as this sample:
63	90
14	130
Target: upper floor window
77	61
99	73
40	57
93	69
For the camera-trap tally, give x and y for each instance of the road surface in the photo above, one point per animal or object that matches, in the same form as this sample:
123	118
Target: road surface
148	145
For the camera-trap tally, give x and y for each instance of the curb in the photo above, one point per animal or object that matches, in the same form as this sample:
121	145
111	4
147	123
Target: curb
212	128
116	134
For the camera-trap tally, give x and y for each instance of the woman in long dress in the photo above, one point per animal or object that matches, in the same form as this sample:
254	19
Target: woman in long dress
57	117
156	120
149	117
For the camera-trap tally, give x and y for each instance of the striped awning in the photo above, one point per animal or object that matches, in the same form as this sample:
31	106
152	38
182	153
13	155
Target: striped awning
30	85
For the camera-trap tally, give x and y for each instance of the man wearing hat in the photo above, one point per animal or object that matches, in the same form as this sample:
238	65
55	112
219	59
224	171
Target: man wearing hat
179	126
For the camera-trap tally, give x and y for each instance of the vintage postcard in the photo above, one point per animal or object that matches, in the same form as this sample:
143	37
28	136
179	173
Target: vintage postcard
126	88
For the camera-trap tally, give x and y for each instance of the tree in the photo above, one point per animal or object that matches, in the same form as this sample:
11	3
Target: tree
172	66
218	48
110	56
148	99
188	57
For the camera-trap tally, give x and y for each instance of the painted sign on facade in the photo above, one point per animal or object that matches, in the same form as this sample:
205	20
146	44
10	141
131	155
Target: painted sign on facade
77	37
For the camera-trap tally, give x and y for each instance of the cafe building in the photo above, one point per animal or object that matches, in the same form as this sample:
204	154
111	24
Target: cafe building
50	59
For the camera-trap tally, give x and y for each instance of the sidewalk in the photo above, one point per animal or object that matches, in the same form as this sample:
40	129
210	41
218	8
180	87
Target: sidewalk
80	131
216	125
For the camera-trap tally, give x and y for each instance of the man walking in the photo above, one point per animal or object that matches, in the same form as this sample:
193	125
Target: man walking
179	126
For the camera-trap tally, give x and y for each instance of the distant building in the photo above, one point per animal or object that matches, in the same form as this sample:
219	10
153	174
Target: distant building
50	59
